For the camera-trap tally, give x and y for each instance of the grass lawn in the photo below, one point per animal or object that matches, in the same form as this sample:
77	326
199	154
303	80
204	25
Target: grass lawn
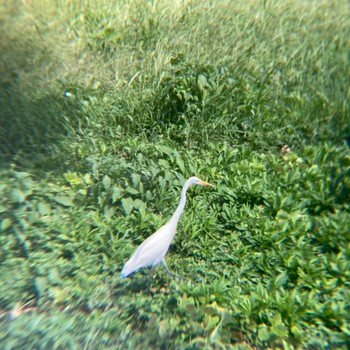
107	107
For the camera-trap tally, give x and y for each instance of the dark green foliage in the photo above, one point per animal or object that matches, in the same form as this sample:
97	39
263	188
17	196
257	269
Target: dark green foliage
130	101
259	254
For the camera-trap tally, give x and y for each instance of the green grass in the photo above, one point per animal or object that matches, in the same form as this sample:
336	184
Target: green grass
107	108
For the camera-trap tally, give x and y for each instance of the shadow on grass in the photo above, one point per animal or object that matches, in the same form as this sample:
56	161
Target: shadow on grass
34	112
32	126
158	284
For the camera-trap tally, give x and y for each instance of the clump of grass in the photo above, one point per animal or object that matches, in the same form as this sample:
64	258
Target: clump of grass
238	76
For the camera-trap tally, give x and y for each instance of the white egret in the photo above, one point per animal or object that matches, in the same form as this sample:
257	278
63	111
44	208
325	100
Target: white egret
153	250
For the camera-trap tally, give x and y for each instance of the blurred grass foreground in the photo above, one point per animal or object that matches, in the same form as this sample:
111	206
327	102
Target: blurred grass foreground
107	107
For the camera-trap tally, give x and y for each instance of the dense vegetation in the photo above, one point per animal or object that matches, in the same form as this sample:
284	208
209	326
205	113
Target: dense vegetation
106	108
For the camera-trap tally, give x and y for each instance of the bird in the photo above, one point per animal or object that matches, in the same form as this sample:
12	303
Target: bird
152	251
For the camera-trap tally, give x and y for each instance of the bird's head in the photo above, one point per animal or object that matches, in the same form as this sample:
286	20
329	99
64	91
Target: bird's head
194	180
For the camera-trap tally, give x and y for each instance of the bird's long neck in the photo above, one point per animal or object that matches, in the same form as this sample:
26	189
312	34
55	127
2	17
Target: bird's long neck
176	216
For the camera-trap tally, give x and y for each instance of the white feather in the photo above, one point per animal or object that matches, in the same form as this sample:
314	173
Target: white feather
153	250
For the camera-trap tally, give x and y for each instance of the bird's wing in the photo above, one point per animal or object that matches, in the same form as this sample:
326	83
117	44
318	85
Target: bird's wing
151	251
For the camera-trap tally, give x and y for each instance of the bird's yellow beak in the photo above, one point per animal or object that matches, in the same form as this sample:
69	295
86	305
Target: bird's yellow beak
206	183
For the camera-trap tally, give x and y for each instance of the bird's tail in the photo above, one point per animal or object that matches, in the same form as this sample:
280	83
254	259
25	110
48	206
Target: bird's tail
126	271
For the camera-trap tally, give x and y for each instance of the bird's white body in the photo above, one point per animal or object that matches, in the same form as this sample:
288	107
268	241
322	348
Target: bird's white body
153	250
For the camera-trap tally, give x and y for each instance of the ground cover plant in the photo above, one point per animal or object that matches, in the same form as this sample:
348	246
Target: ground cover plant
106	108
